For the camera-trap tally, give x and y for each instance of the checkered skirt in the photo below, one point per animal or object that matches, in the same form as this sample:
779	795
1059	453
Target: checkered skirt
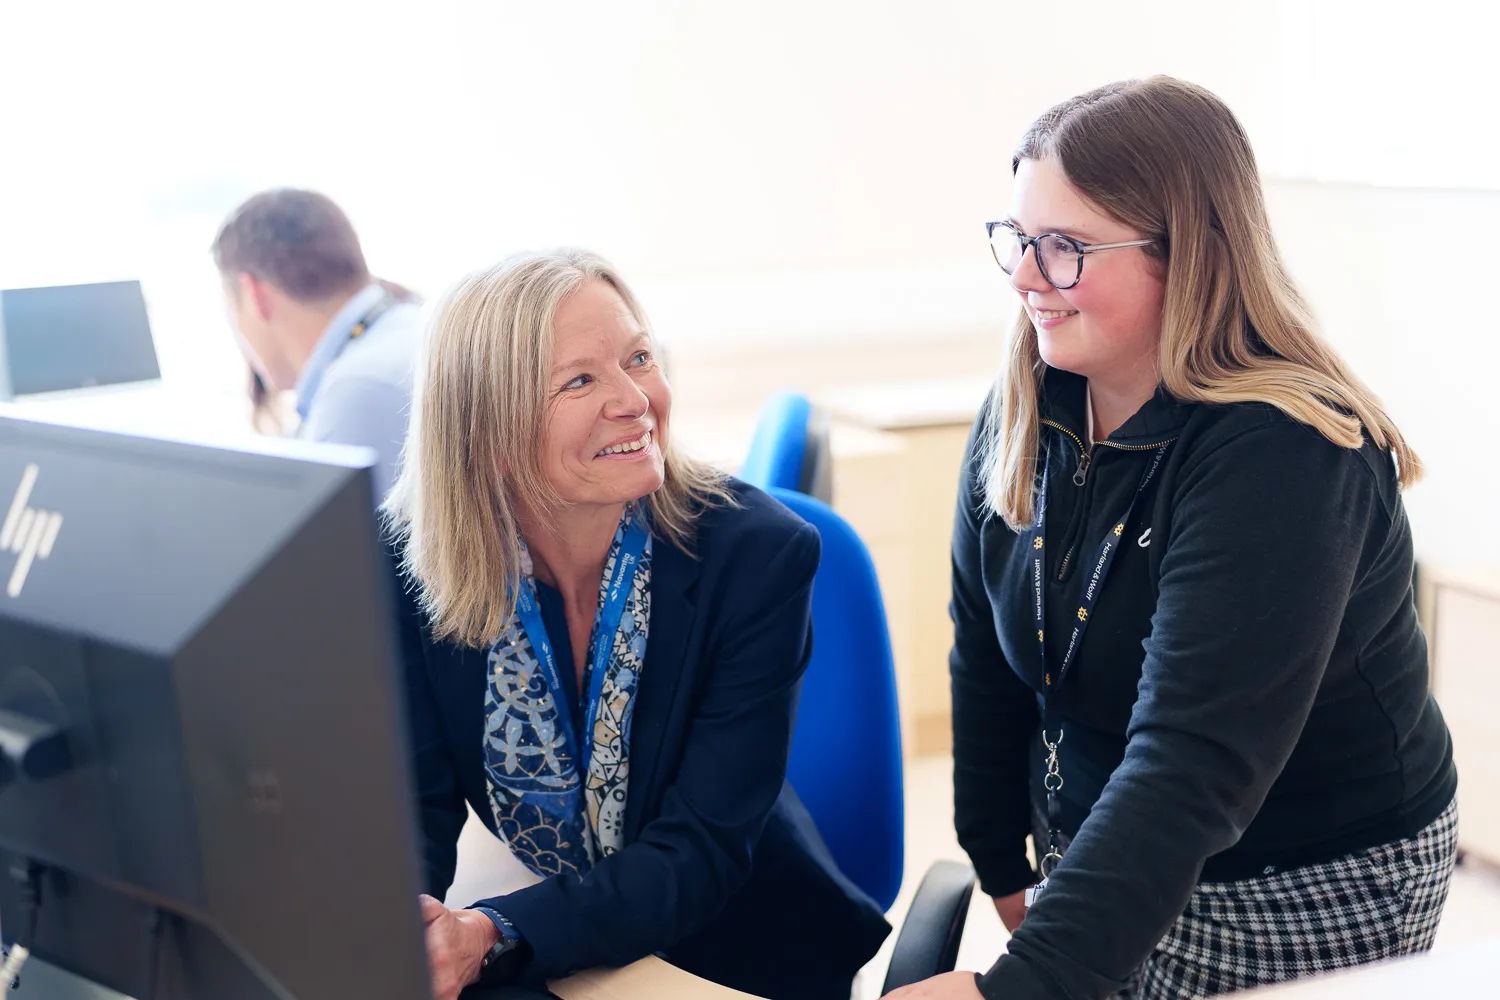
1371	905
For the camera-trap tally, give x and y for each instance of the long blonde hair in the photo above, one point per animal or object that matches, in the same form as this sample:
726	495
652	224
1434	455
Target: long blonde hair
472	458
1169	159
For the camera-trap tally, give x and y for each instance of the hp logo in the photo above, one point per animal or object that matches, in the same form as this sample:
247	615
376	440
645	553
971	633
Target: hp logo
28	532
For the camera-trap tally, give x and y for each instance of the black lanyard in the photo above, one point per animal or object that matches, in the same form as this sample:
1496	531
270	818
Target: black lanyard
1052	733
327	355
363	324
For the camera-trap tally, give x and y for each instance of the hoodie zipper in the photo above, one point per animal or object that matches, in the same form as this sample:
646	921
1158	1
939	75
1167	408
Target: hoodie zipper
1086	455
1081	474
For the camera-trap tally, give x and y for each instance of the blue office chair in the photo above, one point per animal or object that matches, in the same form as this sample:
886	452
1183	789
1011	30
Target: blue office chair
790	450
846	750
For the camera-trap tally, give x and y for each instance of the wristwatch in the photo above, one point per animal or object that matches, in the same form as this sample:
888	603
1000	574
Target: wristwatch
499	950
510	939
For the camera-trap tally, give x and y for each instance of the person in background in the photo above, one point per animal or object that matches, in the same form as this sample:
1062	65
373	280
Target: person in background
311	319
603	643
1187	660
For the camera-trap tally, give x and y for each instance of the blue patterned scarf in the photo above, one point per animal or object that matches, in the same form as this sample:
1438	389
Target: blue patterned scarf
553	818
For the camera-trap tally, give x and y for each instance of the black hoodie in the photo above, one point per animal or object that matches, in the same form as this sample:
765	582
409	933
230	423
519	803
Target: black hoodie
1251	693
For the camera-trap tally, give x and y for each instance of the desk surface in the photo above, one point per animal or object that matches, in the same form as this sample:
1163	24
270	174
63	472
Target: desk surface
1465	972
898	406
1483	581
1460	973
150	409
40	981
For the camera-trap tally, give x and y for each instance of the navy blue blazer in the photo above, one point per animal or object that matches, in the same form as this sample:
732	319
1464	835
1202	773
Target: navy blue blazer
723	872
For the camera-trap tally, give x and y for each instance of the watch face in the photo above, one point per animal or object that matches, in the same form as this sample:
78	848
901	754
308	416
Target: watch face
504	946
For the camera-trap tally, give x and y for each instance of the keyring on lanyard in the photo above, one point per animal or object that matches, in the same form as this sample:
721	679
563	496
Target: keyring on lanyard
1052	782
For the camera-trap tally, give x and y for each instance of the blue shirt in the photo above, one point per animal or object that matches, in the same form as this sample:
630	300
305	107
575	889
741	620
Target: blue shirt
359	391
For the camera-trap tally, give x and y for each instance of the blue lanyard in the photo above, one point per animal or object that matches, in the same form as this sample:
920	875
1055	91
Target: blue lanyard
606	624
1052	733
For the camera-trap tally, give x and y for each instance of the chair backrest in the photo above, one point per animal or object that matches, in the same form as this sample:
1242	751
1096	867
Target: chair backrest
846	746
790	448
817	458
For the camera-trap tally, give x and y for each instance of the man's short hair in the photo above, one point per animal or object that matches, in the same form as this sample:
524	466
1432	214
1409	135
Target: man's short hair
299	241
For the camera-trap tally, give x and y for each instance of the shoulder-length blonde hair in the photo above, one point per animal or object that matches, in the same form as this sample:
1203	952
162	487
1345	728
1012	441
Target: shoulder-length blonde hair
472	457
1170	160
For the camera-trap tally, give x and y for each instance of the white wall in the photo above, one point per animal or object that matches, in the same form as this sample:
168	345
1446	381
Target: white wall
770	170
708	147
771	145
1400	278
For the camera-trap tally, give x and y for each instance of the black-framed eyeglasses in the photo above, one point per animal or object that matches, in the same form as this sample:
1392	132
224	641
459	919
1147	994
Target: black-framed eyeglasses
1058	257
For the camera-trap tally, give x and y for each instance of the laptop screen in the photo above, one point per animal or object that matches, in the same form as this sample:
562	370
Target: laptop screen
74	336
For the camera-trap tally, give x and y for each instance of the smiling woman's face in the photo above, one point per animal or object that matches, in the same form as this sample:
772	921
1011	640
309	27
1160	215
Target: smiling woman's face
1109	323
608	403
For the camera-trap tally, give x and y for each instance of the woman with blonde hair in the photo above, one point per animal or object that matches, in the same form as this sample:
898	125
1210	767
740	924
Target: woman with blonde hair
603	641
1187	661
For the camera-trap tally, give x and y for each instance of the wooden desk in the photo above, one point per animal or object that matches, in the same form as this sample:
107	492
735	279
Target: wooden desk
148	409
40	981
1451	975
1461	615
930	420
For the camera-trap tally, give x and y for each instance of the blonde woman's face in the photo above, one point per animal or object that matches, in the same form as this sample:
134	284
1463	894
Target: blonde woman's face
608	403
1109	323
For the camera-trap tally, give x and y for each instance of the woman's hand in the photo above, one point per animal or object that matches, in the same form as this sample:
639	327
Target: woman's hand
952	986
457	941
1012	909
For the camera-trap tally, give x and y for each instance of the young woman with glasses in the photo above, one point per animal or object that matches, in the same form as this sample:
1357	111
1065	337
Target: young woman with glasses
1187	662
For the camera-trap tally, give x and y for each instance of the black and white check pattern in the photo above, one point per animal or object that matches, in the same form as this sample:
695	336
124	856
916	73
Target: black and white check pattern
1368	906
